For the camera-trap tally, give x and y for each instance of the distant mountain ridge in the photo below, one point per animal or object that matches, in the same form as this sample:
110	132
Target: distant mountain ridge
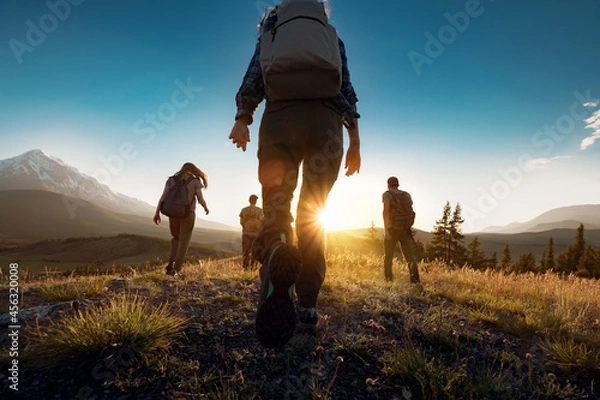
569	217
36	170
23	219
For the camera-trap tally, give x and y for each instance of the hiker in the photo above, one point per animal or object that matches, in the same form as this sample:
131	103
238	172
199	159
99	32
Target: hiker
398	218
306	109
250	219
192	180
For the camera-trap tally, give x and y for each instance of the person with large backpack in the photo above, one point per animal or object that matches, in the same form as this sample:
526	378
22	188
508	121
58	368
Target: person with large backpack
178	202
250	218
300	68
398	219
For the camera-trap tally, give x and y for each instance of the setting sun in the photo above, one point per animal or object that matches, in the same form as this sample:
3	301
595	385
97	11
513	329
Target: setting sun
333	219
327	219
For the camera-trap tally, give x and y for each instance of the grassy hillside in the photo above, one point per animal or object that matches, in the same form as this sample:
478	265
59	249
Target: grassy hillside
463	335
99	253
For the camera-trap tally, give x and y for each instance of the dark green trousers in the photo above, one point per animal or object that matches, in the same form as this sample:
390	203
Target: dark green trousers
294	137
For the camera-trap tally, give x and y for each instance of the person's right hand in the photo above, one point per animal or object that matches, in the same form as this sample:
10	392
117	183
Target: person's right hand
240	134
156	218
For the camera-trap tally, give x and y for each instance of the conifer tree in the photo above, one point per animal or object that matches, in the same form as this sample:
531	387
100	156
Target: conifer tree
589	263
506	261
439	245
525	263
493	262
579	246
419	250
475	256
457	239
372	235
542	267
549	265
568	261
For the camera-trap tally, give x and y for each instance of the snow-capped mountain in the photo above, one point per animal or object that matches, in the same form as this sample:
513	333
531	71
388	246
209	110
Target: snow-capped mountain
35	170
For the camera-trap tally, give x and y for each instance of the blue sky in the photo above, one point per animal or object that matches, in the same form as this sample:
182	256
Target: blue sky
490	104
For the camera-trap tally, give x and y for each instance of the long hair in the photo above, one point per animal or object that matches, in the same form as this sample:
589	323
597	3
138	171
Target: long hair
190	169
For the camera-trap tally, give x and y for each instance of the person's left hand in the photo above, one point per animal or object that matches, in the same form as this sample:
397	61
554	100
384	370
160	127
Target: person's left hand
156	218
352	159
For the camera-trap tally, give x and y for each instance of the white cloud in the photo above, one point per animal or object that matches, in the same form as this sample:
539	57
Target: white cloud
588	141
591	104
593	123
543	162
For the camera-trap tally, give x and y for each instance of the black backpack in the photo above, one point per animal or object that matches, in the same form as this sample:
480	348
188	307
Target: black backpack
176	203
402	214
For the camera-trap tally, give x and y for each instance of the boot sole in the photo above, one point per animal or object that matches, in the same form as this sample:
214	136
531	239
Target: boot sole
276	318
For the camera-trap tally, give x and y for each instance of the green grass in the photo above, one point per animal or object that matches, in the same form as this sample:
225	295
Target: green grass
465	335
122	323
73	289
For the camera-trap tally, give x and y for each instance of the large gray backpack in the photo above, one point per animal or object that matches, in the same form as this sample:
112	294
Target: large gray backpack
300	56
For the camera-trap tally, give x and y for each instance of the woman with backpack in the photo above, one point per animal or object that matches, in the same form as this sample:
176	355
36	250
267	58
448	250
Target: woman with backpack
178	202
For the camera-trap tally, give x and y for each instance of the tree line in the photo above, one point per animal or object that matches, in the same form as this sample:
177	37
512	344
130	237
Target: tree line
448	245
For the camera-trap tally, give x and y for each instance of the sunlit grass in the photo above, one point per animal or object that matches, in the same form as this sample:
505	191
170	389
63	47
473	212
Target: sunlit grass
73	288
444	340
568	354
124	323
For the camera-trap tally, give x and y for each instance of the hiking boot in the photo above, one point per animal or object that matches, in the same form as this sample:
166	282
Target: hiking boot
276	318
169	268
178	275
308	321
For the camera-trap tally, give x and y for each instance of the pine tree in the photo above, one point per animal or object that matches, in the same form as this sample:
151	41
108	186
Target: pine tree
476	257
493	262
542	267
439	245
568	261
457	239
525	263
372	234
506	261
419	250
579	246
550	256
589	263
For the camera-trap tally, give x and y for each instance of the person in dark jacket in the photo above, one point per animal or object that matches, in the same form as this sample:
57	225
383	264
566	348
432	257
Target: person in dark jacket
294	133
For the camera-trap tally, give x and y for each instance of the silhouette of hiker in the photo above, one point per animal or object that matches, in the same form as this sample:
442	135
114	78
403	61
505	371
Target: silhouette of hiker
250	219
181	227
398	218
301	125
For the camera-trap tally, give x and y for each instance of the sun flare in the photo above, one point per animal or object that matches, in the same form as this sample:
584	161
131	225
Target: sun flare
329	220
